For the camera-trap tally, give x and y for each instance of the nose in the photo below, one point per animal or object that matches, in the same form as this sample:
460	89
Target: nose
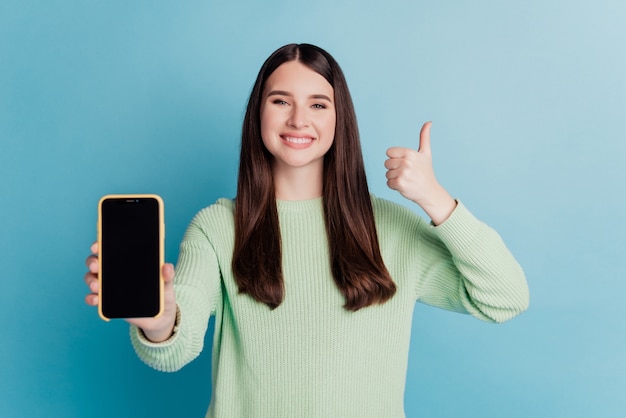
298	117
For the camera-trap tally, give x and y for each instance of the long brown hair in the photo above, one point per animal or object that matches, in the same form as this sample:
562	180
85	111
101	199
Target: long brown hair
356	263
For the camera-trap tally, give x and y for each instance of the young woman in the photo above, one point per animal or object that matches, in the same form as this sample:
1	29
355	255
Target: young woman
311	279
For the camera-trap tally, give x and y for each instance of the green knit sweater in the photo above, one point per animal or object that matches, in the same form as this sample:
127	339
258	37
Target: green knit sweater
310	357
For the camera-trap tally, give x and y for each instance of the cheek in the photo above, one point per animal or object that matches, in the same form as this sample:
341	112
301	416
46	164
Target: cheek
266	125
329	127
263	119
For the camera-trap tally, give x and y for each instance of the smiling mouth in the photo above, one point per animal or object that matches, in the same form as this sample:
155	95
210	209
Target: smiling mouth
297	140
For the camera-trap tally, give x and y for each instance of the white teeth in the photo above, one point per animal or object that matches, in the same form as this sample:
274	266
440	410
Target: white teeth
295	140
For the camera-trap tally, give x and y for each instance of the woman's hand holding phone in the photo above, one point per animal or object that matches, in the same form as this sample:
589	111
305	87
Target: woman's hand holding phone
155	329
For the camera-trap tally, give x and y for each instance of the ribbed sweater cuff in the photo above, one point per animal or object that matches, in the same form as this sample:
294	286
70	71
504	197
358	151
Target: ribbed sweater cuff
151	352
459	229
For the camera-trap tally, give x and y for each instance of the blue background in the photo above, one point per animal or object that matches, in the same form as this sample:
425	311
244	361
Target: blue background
528	102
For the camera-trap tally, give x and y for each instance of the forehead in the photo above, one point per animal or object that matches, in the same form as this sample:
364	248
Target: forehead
296	78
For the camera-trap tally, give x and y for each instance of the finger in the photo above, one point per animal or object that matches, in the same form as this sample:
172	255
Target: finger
392	163
391	174
94	285
89	277
91	300
396	152
94	248
93	264
424	146
393	184
168	272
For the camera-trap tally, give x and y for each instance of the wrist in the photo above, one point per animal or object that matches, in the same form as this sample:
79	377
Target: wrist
160	335
439	207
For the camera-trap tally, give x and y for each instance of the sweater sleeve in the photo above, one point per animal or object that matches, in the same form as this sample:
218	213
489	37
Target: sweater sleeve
198	292
465	266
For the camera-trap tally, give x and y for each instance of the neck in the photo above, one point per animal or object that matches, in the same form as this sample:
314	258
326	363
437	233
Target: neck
298	183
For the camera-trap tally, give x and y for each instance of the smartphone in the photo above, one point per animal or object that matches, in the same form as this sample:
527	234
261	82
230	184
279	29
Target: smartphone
131	237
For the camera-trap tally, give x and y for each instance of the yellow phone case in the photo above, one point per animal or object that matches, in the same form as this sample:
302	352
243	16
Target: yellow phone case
161	244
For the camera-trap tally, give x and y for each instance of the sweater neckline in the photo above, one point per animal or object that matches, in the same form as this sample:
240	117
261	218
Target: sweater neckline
299	205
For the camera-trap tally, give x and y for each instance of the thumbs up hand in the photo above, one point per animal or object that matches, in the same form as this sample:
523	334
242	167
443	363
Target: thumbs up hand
411	173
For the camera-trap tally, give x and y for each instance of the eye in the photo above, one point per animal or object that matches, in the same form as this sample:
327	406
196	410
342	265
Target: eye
319	106
279	102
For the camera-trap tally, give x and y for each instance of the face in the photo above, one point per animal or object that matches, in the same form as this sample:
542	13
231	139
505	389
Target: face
297	117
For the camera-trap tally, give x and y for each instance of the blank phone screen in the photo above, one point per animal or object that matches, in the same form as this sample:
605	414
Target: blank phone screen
130	257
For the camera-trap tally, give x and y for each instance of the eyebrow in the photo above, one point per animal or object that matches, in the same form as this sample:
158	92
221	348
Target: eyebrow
285	93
